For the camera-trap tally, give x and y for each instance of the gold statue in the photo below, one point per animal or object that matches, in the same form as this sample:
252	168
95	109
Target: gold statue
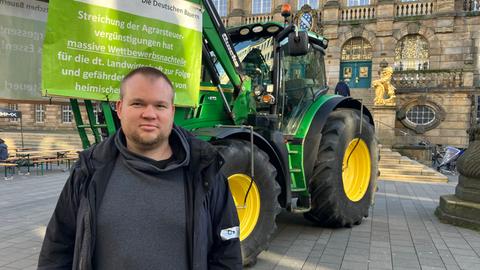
383	88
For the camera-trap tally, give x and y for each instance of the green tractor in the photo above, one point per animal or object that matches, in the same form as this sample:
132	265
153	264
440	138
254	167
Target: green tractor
286	142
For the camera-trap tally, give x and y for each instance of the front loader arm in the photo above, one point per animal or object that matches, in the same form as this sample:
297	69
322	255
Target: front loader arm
221	45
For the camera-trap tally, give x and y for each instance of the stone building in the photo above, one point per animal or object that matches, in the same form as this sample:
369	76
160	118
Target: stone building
433	45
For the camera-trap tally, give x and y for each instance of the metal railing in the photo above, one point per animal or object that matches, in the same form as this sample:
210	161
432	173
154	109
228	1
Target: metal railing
406	9
258	18
406	136
358	13
428	79
225	21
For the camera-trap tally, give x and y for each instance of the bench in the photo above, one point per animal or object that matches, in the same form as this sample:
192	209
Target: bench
8	166
39	163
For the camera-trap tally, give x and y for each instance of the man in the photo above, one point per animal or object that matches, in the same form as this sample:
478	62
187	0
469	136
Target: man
3	150
149	197
342	89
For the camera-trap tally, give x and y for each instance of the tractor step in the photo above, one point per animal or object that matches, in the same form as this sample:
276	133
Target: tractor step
300	204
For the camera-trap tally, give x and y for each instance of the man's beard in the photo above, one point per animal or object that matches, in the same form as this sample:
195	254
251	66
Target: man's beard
148	142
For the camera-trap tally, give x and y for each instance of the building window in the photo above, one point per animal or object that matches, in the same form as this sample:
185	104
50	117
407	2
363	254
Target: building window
356	49
471	5
96	110
478	110
312	3
411	53
261	6
221	6
13	107
421	115
39	113
67	114
353	3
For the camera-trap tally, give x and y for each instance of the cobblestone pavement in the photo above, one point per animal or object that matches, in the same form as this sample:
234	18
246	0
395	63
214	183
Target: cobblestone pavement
401	232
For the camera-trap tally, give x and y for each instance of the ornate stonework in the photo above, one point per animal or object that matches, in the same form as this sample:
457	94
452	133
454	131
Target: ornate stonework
307	19
384	90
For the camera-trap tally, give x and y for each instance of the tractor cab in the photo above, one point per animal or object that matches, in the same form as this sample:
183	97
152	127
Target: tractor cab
286	67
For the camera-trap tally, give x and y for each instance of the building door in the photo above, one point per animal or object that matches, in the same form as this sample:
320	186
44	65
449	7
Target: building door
356	74
356	63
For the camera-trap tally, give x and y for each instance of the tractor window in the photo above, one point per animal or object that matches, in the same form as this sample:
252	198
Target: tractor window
257	62
303	79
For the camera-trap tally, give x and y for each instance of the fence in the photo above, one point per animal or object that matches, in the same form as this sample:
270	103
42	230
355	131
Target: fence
358	13
428	79
414	9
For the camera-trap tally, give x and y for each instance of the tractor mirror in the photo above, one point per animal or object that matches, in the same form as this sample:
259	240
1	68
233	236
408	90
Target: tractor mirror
297	43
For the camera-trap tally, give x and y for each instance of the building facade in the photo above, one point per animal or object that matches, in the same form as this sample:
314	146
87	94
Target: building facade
433	46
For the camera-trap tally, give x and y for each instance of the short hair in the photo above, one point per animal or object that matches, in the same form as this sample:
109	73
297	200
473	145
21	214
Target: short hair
148	72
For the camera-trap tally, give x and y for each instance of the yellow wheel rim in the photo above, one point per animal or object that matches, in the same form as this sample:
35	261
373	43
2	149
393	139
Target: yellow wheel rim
248	213
356	174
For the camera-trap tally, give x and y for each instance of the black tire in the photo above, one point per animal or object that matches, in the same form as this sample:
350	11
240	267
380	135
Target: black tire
330	205
237	160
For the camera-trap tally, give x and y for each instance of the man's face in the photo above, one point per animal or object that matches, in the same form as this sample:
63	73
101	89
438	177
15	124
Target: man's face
146	111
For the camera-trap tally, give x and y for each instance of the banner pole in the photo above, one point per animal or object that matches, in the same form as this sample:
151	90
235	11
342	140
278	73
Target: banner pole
21	130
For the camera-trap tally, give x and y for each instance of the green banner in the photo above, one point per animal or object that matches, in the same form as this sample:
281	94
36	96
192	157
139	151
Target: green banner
22	28
91	44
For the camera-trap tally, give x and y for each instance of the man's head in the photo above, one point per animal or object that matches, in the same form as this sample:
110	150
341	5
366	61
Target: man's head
146	108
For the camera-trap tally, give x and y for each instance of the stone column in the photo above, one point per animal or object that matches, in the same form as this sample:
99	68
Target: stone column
384	117
330	19
237	13
463	207
445	16
385	16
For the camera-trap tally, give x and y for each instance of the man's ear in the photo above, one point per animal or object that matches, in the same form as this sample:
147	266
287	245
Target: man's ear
118	108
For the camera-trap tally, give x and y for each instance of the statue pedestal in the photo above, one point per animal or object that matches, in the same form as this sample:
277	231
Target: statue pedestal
463	207
384	117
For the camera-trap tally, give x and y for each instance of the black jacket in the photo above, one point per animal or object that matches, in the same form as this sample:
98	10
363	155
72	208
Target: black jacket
70	236
342	89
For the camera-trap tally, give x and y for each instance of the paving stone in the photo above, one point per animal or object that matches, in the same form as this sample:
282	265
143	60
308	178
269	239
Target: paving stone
354	265
327	266
331	259
464	252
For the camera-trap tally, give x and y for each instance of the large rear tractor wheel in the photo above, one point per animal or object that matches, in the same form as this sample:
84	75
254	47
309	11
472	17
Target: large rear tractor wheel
345	172
258	210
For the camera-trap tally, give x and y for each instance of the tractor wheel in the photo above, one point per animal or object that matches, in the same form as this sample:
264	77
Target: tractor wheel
345	172
257	215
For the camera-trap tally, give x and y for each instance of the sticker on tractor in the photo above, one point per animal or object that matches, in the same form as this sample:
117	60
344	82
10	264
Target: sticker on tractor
91	44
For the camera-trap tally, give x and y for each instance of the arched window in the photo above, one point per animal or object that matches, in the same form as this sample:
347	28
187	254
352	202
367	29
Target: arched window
261	6
312	3
221	6
411	53
356	49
